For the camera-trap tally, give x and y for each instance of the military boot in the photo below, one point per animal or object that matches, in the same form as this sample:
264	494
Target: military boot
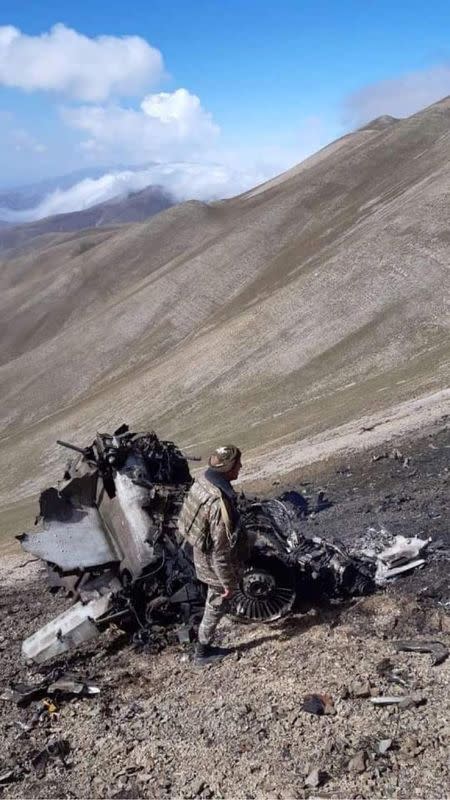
207	654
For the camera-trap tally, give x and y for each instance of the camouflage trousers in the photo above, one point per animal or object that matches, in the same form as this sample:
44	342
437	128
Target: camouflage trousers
215	608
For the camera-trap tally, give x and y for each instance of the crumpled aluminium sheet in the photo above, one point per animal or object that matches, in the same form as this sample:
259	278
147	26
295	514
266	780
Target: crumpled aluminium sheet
77	543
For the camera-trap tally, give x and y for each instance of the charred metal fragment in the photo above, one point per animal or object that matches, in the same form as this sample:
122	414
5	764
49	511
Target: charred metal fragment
438	650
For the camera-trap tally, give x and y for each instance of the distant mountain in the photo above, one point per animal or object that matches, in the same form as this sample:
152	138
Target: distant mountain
135	207
380	123
20	198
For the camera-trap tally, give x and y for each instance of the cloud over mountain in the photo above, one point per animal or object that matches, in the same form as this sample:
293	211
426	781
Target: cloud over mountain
114	115
184	181
166	125
84	68
400	96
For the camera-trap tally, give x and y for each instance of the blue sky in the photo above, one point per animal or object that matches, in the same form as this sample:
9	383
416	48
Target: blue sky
276	80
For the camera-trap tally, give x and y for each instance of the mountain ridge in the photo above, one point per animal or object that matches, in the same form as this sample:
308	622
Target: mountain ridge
313	300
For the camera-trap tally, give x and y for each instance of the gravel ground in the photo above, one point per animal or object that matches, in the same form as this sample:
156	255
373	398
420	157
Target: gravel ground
160	727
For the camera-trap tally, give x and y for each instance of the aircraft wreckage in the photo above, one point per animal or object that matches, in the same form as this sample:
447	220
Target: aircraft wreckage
109	539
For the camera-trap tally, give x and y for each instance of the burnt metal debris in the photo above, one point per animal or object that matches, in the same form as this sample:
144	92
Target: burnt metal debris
109	539
439	652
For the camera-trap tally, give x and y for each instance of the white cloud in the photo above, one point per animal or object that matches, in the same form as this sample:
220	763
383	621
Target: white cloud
170	130
180	107
81	195
398	97
174	127
87	69
179	138
166	126
185	181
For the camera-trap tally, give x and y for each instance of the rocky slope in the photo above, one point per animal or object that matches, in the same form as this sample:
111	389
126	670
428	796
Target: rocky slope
298	307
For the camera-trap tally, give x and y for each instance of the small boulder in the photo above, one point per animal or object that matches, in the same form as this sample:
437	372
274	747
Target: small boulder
360	688
445	623
315	778
358	763
383	746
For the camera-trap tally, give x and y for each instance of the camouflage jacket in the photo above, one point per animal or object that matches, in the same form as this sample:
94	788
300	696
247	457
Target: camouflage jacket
209	521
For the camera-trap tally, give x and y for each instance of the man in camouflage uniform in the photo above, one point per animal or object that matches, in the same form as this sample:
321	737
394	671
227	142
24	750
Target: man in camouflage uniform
209	521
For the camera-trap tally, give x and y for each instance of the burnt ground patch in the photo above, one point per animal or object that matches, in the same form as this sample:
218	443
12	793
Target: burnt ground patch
402	487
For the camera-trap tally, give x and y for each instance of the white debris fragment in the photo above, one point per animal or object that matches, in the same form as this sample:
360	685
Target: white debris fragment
401	556
67	630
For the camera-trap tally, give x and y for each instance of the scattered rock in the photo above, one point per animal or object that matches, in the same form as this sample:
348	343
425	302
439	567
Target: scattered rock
383	746
360	688
315	778
412	701
445	623
144	777
409	743
358	763
434	621
197	788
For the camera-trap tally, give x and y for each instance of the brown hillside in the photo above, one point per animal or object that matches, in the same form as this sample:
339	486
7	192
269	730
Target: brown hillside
297	307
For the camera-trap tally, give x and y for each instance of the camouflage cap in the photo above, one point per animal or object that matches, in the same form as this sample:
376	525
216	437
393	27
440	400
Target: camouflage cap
224	458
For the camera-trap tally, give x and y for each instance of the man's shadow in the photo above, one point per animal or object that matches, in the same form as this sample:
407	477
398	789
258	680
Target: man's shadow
297	623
